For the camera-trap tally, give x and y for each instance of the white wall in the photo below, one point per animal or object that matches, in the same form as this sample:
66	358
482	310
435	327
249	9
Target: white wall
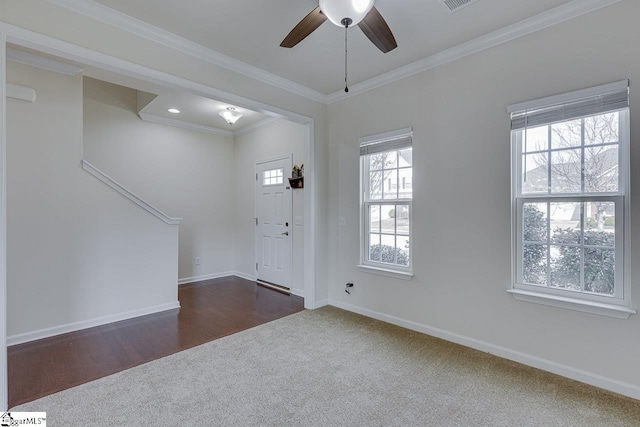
77	251
185	173
461	228
275	139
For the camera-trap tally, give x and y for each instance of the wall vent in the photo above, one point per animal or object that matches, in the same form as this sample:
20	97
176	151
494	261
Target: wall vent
456	5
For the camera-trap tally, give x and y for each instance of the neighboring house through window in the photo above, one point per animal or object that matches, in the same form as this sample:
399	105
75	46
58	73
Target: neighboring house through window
570	200
387	192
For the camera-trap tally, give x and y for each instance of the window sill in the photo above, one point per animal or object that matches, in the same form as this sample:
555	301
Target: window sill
385	272
609	310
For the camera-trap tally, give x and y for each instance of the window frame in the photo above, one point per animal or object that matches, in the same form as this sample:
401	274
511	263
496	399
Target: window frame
616	305
367	265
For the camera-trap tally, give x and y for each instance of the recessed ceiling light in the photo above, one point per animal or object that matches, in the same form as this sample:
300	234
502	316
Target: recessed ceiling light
173	111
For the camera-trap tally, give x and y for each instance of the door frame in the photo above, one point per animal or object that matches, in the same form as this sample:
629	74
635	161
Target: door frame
62	49
4	374
288	157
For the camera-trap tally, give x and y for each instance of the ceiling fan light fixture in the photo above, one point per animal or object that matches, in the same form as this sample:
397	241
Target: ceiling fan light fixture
230	115
338	10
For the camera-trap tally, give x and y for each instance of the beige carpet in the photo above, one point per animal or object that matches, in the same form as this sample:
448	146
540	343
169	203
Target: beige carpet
332	368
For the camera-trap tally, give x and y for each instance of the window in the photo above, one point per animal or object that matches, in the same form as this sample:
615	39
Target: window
570	199
386	183
273	177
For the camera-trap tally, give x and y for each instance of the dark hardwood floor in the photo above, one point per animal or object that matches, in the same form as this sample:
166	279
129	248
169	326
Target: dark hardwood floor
209	310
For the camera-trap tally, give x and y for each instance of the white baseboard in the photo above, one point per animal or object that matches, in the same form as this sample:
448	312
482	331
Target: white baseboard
297	292
244	276
616	386
76	326
325	302
205	277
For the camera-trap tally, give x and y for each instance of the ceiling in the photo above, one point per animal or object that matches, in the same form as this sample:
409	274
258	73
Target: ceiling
251	32
199	111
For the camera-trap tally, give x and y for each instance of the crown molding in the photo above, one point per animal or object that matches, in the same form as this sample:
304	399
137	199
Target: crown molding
152	118
27	58
528	26
184	124
52	46
133	25
531	25
255	126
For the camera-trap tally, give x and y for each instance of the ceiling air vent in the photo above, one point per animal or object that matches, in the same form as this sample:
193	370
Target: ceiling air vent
456	5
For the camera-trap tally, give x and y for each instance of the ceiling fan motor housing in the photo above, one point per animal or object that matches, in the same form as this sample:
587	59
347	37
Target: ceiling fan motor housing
342	10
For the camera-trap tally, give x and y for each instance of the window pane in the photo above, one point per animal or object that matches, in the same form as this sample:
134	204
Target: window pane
565	222
402	220
405	190
402	250
536	139
388	249
375	186
273	177
376	161
565	267
599	224
566	134
599	270
589	246
566	174
374	247
534	264
374	218
390	160
388	219
390	191
386	160
405	158
535	176
602	129
601	169
534	222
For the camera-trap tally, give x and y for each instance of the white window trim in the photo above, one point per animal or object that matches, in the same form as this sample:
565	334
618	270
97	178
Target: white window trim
618	306
372	267
609	310
385	272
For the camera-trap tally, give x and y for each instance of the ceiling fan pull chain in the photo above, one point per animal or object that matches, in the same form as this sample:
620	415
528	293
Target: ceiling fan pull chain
346	85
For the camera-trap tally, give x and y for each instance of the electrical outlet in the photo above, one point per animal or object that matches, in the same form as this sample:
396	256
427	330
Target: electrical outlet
197	260
348	287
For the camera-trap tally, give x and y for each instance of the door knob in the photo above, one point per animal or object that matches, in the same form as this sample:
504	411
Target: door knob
286	233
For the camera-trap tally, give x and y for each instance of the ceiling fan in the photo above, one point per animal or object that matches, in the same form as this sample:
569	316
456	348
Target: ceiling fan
345	13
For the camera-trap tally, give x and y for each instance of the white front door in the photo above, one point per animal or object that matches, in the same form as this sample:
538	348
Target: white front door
273	224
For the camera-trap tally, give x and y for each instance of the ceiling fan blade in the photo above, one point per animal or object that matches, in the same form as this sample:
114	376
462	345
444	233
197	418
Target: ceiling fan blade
376	29
305	27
